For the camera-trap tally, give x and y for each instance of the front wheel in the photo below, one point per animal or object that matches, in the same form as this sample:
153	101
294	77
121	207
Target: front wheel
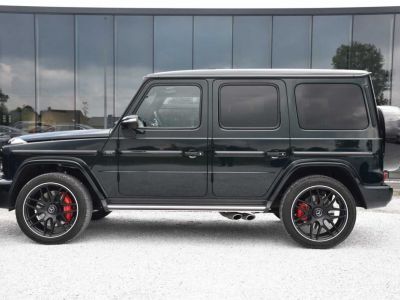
318	211
53	208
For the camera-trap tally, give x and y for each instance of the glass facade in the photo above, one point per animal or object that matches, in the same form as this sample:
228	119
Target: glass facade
63	71
329	33
291	46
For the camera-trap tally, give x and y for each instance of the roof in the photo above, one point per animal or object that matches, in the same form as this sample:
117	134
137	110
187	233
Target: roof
260	73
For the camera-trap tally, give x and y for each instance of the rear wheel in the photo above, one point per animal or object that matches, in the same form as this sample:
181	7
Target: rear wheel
318	211
53	208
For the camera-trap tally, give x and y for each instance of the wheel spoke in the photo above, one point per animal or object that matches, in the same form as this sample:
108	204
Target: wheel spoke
35	223
318	231
50	196
41	202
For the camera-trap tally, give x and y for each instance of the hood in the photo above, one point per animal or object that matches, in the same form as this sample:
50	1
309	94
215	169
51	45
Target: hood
66	135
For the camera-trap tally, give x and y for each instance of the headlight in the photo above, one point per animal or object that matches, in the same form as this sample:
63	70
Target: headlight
16	141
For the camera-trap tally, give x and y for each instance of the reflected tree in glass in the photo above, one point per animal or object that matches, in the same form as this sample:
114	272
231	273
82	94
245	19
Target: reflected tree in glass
360	56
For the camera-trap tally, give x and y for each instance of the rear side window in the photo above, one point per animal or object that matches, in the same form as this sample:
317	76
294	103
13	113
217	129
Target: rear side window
248	106
331	107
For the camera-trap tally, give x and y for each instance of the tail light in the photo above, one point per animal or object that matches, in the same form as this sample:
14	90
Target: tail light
385	175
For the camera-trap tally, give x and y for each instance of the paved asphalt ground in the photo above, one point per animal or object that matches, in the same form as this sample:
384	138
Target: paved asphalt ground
164	255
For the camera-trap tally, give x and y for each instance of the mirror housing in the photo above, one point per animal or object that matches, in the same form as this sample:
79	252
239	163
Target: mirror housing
132	121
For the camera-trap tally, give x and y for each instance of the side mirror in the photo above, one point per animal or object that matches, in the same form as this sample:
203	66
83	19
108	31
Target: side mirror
132	122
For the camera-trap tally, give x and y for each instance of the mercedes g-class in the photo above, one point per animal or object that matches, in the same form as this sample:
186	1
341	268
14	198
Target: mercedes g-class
306	145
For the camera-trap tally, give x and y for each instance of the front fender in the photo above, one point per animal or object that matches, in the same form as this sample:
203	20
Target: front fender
58	162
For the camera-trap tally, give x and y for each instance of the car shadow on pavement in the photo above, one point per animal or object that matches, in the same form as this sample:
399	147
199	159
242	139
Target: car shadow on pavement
193	231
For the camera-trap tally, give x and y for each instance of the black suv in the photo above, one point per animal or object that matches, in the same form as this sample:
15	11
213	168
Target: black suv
306	145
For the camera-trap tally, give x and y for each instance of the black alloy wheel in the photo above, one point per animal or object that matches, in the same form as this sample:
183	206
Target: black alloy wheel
318	211
53	208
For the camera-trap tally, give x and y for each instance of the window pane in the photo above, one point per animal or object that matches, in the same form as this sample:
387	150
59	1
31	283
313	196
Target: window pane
55	51
212	42
252	42
375	30
134	56
171	106
248	106
329	33
94	101
396	65
172	43
291	42
17	71
331	106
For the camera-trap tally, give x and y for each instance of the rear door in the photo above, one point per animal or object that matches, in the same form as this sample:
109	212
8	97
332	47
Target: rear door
250	133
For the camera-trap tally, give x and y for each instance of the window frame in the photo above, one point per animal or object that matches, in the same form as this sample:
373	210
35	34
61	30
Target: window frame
249	84
333	83
133	110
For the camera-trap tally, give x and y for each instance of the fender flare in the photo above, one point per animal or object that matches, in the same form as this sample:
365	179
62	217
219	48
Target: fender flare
283	178
74	163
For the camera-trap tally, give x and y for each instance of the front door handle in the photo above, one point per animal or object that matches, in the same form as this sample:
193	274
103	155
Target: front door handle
277	154
192	153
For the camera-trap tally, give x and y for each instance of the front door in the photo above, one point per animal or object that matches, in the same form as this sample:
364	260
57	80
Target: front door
250	136
168	156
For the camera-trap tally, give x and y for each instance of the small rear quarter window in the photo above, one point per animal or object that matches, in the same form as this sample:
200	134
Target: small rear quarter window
322	106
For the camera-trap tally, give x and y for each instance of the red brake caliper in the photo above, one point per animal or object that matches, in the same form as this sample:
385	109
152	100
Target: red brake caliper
302	210
68	208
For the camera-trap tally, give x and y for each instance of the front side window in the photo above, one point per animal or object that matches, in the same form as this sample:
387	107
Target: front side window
248	106
168	106
322	106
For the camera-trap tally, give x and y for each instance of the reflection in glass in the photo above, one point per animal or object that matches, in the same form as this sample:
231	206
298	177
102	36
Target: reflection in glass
134	56
55	81
17	70
172	43
329	33
291	42
396	64
252	41
94	101
376	30
212	42
171	107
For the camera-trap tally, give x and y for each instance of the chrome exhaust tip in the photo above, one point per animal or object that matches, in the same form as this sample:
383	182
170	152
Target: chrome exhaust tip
231	215
248	217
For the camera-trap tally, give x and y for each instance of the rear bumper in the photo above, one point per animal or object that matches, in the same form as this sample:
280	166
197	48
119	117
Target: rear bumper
4	193
376	196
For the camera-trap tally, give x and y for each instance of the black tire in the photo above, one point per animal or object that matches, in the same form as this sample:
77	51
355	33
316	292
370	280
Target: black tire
99	214
318	212
68	218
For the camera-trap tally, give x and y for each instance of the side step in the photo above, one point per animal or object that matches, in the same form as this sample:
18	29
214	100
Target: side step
234	208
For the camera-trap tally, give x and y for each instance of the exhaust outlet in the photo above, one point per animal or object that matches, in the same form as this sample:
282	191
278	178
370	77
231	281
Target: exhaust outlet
231	215
248	217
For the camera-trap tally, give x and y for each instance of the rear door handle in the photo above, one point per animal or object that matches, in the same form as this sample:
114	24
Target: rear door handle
192	154
277	154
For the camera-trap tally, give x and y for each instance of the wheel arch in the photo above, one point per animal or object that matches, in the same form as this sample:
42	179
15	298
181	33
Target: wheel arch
339	170
76	167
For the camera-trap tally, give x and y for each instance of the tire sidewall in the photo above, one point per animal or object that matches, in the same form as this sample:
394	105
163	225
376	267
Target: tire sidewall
304	183
80	194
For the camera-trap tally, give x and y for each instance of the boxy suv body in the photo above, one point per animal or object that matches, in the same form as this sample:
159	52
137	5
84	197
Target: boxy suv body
306	145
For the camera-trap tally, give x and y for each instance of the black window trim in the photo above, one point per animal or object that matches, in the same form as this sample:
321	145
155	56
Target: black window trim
136	107
255	83
326	82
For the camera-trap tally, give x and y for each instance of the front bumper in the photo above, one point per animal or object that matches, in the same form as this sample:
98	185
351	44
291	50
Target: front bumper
376	196
4	193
